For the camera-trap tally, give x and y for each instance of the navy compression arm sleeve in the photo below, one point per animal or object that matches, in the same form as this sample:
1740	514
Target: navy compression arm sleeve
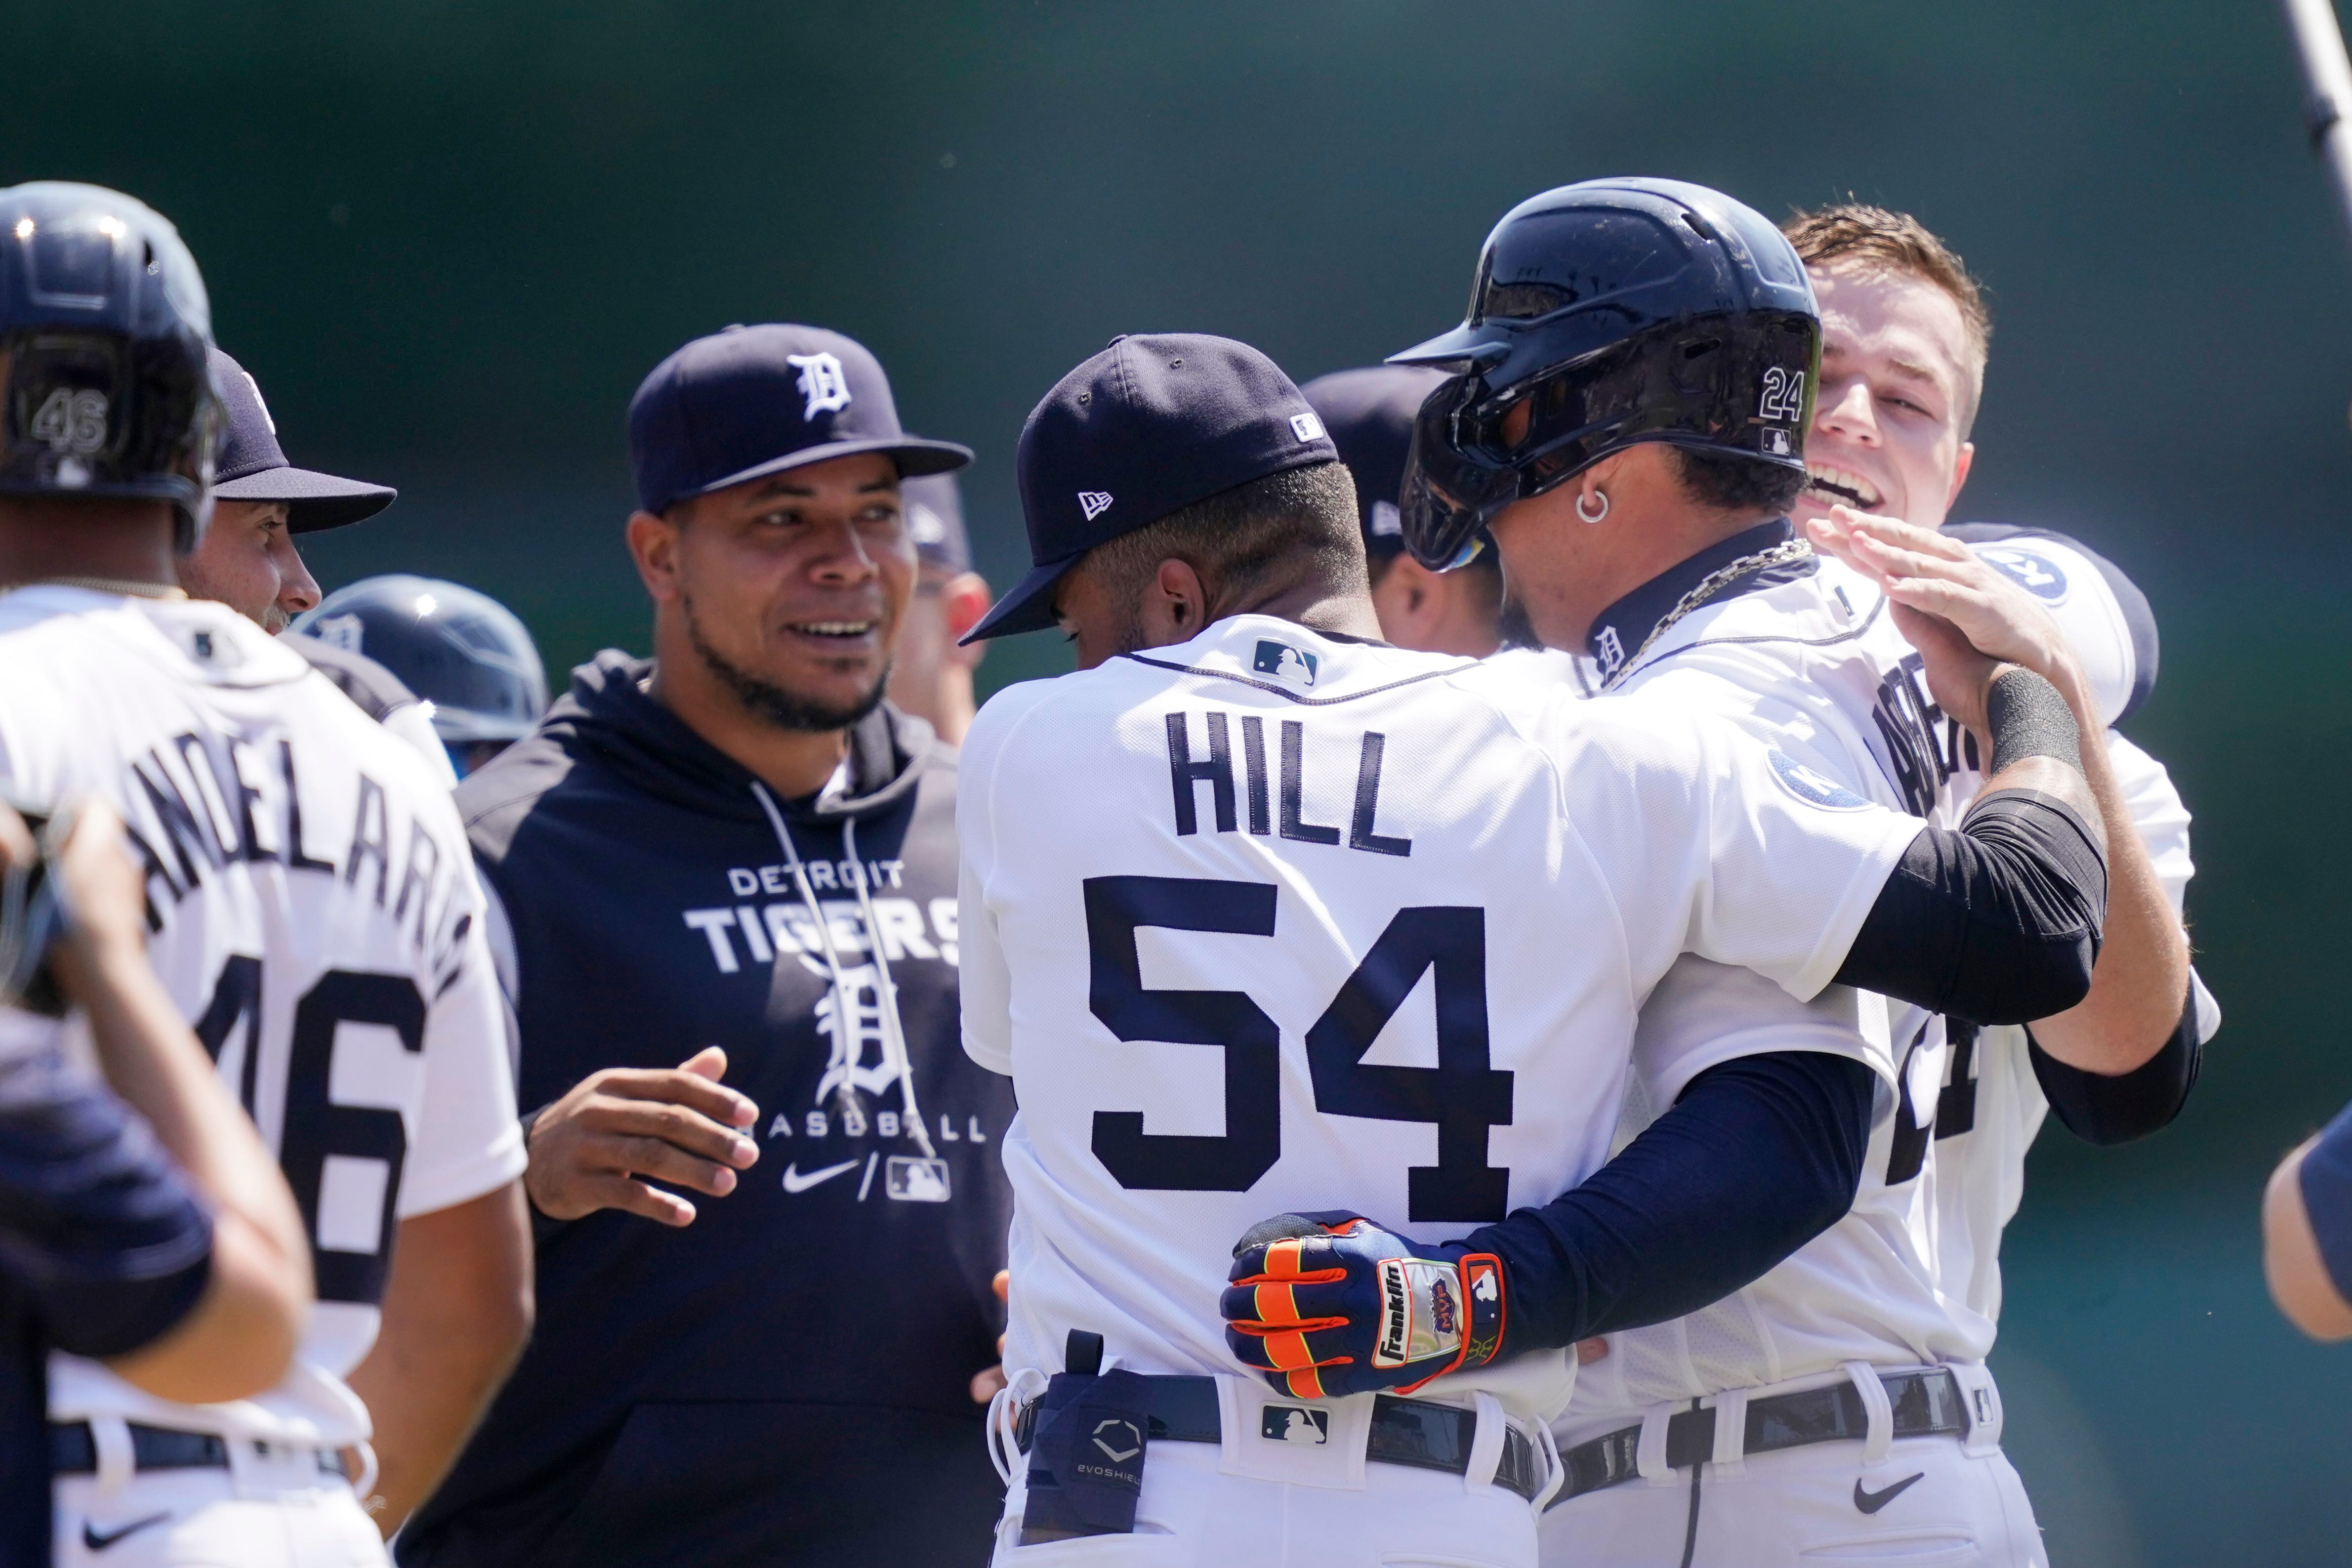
2105	1110
1758	1157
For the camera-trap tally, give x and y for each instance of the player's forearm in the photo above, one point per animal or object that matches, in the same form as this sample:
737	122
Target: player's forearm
2292	1263
239	1338
1758	1157
456	1311
2133	1008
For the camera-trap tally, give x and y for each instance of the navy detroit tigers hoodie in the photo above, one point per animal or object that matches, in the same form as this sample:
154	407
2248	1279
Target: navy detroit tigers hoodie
726	1392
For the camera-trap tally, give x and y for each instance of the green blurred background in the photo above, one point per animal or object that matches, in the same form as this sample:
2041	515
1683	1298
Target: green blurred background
450	239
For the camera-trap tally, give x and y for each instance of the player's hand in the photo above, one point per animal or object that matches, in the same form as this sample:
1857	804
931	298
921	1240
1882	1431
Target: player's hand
1328	1304
619	1129
1922	570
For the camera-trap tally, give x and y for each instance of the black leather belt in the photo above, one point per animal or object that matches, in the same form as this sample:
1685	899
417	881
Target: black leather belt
73	1450
1927	1405
1404	1431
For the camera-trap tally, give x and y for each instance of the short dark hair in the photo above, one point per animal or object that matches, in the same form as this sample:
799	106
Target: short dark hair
1297	524
1727	481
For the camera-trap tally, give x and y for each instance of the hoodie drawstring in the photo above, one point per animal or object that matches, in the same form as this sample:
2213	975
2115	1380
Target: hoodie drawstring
894	1032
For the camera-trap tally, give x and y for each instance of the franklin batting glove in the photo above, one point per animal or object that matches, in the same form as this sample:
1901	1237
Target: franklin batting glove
1328	1304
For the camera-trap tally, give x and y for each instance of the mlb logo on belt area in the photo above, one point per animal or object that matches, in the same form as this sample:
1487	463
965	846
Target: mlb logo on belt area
1294	1424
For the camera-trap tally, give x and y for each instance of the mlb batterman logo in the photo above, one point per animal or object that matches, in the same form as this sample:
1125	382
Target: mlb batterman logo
1291	665
1292	1424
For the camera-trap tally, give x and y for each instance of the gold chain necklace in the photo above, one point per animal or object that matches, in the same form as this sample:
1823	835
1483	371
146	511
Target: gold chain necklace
1787	552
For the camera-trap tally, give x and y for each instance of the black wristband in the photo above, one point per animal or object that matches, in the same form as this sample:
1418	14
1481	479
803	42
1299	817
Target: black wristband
2028	718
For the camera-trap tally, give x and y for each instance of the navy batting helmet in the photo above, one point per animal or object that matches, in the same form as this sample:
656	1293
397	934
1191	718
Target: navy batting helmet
1603	314
104	328
460	650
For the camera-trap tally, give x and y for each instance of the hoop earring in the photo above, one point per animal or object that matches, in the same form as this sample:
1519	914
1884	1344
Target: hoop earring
1592	516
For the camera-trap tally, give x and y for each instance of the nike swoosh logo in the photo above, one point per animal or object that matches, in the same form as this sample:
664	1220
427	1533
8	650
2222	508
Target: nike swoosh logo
97	1542
797	1182
1871	1503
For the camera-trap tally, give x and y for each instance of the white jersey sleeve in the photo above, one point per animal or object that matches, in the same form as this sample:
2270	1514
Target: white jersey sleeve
984	980
2105	619
466	1139
1716	845
1703	1015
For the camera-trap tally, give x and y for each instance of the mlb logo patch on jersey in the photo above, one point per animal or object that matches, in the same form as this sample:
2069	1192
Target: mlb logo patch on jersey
1291	665
913	1180
2029	569
1812	787
1294	1424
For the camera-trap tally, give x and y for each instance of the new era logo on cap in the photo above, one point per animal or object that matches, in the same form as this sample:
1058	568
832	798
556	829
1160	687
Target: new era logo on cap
1094	503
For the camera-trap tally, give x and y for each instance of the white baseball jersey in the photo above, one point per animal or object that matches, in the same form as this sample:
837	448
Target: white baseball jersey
1987	1106
314	914
1910	1275
1273	921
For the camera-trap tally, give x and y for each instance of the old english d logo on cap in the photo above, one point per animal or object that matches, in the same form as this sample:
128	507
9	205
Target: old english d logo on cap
748	402
822	382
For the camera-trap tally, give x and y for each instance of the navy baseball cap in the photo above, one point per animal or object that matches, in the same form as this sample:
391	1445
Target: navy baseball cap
252	467
1370	413
934	507
1147	426
753	401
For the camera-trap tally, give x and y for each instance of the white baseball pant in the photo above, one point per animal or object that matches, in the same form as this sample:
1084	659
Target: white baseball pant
1883	1502
1249	1503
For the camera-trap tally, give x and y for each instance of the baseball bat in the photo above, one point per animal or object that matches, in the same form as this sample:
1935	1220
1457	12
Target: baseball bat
2327	89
